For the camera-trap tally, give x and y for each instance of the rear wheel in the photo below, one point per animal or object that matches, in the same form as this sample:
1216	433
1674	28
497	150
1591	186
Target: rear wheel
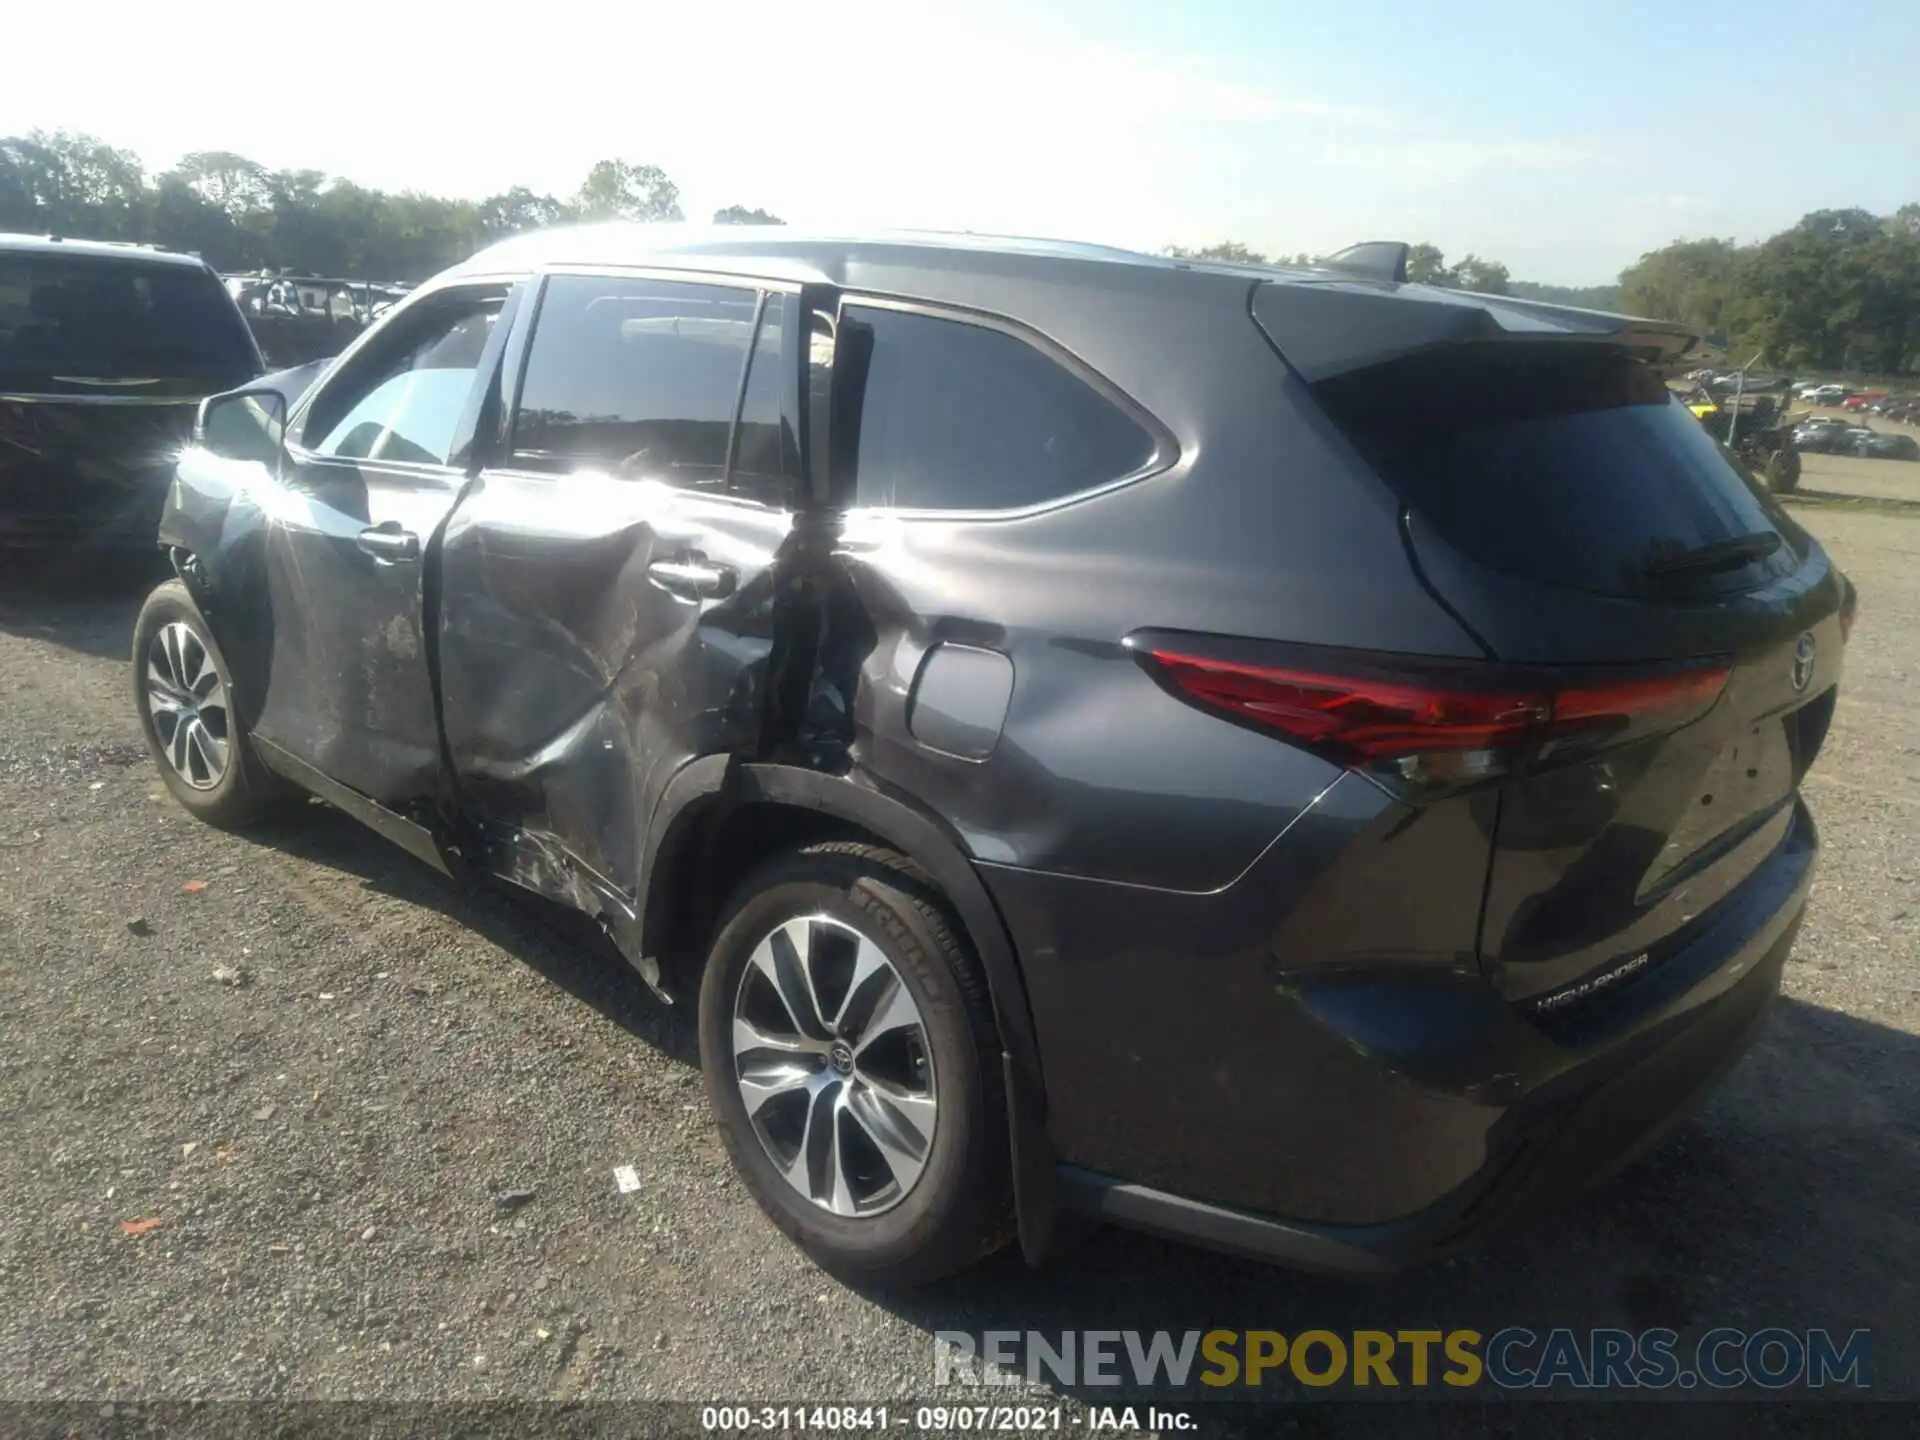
851	1057
1782	470
183	693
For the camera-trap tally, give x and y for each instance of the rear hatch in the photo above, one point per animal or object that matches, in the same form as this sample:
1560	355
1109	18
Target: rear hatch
1680	634
103	362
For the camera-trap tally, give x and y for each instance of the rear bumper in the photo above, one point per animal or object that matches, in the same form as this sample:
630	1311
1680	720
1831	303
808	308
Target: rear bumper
1567	1149
1411	1111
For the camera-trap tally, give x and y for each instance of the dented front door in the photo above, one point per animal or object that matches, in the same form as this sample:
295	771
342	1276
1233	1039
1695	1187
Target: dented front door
373	467
607	591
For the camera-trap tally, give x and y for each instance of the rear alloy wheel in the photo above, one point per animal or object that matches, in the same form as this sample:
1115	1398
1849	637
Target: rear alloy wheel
183	693
851	1056
830	1056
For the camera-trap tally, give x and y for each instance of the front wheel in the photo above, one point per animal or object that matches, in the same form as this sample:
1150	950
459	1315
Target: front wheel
183	693
852	1059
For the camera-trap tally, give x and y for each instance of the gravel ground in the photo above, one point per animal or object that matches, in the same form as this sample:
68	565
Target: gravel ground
376	1119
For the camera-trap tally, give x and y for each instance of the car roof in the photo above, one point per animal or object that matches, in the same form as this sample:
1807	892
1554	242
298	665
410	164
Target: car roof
102	249
786	252
1325	319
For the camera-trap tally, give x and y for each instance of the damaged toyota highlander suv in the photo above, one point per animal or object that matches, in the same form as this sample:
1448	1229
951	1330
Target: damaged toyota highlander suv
1292	759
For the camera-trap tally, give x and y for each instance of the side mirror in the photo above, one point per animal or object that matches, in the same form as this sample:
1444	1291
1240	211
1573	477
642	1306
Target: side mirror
245	425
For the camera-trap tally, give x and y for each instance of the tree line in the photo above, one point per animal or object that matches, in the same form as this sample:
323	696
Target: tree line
1837	292
239	215
1426	265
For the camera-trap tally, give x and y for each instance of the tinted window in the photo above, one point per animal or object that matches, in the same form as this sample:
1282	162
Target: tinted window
102	318
1582	470
405	401
636	377
766	455
962	417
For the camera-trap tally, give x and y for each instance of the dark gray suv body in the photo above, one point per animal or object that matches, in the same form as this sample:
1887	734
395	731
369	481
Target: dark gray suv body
1294	759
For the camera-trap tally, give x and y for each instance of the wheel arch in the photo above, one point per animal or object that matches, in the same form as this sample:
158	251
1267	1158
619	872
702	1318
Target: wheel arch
783	804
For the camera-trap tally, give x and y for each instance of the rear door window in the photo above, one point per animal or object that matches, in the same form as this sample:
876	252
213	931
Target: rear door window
637	378
1577	469
104	318
961	416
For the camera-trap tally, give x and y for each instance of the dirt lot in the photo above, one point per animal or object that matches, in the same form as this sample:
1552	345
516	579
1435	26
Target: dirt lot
327	1144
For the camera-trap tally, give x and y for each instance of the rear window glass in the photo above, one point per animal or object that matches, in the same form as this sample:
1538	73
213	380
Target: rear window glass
1581	470
103	319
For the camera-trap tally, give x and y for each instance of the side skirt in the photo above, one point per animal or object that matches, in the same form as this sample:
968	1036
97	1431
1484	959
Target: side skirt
415	839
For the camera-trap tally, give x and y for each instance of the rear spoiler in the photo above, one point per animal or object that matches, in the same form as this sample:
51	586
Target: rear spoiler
1364	313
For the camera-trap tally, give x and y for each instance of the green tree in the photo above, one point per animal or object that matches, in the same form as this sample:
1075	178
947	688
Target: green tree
180	218
519	209
229	182
69	184
1426	265
1483	277
620	190
1229	250
740	215
1584	297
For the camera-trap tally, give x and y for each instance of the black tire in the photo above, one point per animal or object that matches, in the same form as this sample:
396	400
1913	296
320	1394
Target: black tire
245	790
1783	470
960	1208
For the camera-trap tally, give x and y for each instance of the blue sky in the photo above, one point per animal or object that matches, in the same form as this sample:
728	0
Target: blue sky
1564	138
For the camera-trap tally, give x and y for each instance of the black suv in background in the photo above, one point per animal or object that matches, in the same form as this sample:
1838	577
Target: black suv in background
106	351
1295	759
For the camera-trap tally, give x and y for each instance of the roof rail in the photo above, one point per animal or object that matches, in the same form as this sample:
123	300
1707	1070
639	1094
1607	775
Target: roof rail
1372	260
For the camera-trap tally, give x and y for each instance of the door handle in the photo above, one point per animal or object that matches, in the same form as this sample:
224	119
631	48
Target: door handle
695	579
387	541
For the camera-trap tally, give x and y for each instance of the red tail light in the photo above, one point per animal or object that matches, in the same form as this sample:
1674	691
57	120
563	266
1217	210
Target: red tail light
1439	734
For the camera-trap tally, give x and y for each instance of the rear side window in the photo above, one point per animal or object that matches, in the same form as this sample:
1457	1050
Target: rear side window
638	378
1578	469
959	416
100	318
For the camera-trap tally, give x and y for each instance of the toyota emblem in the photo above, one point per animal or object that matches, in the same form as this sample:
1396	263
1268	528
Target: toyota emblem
1803	662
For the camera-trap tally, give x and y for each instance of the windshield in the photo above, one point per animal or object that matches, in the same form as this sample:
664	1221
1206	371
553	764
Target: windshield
89	318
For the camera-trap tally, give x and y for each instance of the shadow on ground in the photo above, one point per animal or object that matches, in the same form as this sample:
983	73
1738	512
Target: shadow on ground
558	944
78	602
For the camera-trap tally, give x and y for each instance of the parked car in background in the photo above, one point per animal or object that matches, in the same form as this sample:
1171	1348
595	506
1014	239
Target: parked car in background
106	351
1825	435
1826	394
1298	760
1877	445
300	318
1864	400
